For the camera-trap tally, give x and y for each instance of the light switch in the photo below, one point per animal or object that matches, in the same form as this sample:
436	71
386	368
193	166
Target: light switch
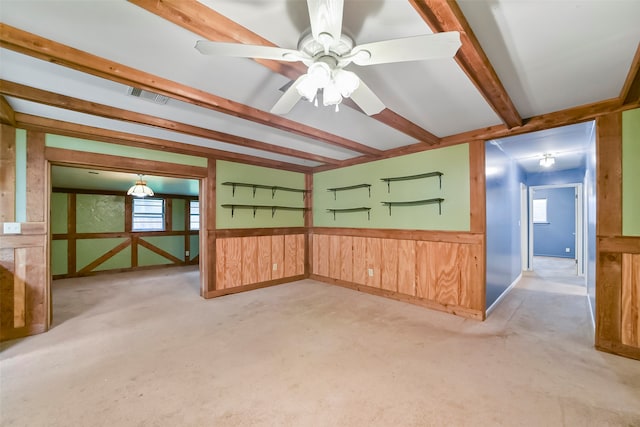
11	228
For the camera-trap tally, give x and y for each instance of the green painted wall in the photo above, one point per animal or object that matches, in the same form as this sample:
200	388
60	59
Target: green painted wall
59	213
147	257
194	245
177	214
172	244
243	218
453	162
99	213
102	214
21	175
79	144
58	257
631	173
87	250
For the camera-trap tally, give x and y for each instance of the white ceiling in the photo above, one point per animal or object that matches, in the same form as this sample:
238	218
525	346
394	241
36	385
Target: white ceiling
95	179
549	55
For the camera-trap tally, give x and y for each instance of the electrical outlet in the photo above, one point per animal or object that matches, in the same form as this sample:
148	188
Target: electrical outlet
275	267
186	253
567	249
370	271
11	228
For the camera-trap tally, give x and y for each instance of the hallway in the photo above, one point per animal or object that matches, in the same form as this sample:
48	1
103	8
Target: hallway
142	349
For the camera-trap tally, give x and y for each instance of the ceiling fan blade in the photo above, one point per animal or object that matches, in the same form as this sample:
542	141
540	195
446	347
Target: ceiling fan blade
240	50
367	100
288	99
431	46
325	17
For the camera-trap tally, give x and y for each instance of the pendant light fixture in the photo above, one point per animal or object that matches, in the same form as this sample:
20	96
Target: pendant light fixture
140	189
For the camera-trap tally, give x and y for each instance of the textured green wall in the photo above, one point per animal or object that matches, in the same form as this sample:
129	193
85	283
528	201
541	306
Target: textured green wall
58	141
97	213
243	218
631	173
453	162
194	245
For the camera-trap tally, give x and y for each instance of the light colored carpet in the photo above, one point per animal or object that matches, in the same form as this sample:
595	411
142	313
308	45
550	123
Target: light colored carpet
143	349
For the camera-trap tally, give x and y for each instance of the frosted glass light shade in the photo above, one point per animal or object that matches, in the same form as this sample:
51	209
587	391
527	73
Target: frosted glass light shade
140	189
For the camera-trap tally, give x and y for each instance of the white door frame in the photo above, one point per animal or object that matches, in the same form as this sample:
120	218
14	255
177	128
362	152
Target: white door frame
524	228
579	228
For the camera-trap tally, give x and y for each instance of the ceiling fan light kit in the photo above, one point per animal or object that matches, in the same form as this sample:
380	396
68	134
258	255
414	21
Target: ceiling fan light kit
326	51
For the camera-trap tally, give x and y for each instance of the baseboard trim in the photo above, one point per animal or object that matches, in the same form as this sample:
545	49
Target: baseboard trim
504	294
451	309
591	311
252	286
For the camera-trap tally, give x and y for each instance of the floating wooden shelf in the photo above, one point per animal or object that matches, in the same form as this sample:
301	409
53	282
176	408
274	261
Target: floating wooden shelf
361	209
350	187
273	208
273	188
416	203
411	177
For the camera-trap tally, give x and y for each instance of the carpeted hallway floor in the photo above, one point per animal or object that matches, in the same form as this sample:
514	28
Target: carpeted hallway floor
143	349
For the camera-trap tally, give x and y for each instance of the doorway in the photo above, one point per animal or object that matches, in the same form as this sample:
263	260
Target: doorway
556	233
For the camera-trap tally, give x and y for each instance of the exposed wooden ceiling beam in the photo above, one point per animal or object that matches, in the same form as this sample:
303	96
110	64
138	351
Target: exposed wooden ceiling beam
74	130
631	89
199	19
7	115
445	15
48	50
61	101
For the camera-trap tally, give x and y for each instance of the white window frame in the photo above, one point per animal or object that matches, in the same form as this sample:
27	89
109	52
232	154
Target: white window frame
539	211
135	214
192	216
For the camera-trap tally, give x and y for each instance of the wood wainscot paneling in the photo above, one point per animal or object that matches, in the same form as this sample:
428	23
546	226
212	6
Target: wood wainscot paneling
24	271
246	261
435	269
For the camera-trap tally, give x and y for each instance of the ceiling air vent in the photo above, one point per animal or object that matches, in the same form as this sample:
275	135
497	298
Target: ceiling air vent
149	96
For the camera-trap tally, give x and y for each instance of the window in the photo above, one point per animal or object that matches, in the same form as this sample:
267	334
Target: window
540	210
148	215
194	215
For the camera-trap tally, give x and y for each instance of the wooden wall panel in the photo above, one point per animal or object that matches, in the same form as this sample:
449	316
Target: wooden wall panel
300	254
334	257
232	262
290	255
7	173
446	277
374	262
220	263
407	267
631	300
322	254
389	278
264	258
359	260
249	260
36	179
19	287
277	257
346	258
423	254
315	254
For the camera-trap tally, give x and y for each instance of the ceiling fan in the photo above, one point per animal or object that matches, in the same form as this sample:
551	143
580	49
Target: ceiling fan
326	51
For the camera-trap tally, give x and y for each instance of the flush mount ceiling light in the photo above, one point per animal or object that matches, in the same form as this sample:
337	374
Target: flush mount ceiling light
547	161
140	189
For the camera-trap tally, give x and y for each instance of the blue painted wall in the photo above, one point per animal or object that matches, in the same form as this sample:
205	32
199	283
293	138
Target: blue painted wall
558	233
570	176
503	229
